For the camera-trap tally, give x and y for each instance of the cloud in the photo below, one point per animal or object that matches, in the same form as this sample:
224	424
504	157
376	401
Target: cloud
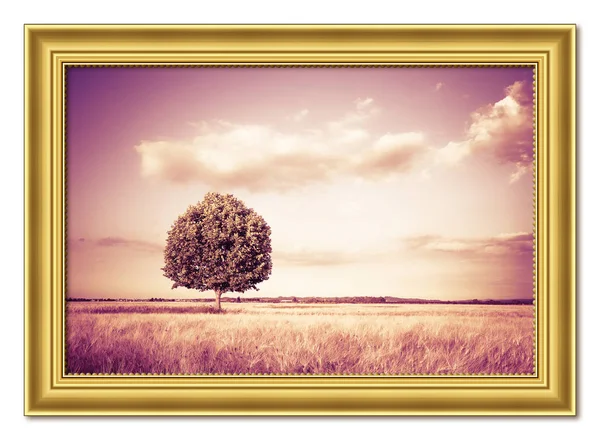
138	245
439	86
453	153
299	116
391	153
511	245
364	104
320	258
226	155
238	157
505	248
335	257
350	127
519	172
503	131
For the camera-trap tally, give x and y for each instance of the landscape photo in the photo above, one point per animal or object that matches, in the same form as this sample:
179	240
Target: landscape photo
300	220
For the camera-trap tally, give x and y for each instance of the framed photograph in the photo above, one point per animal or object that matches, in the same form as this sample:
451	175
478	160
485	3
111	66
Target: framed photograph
300	220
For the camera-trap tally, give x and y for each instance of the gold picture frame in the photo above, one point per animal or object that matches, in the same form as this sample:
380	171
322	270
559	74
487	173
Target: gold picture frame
49	49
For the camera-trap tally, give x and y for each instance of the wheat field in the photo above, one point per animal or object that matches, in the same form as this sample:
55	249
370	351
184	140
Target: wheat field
258	338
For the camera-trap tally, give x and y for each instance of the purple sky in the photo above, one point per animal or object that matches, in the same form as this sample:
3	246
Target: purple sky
408	182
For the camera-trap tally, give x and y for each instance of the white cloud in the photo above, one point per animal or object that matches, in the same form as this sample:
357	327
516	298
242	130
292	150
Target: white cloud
364	109
503	130
520	172
453	153
226	155
449	246
363	104
299	116
392	152
514	245
258	157
439	86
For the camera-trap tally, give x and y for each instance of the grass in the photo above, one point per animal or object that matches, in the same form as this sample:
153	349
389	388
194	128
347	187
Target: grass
180	338
104	309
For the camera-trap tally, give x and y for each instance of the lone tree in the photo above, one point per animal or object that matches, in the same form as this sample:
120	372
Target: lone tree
218	244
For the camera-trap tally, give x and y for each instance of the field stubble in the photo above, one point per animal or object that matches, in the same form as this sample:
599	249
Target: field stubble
184	338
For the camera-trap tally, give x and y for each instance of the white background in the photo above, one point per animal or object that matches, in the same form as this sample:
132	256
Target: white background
14	425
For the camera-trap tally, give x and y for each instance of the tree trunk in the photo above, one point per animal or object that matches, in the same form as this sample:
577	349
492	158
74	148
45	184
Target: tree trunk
218	299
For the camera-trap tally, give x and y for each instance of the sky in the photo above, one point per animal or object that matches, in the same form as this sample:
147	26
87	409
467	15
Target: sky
408	182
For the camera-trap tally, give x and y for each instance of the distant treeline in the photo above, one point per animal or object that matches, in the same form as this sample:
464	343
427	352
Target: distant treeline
321	300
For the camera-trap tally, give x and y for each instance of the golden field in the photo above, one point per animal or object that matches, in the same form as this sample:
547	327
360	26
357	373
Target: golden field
261	338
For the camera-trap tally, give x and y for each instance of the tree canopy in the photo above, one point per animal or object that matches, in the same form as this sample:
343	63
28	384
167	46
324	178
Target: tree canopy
218	244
